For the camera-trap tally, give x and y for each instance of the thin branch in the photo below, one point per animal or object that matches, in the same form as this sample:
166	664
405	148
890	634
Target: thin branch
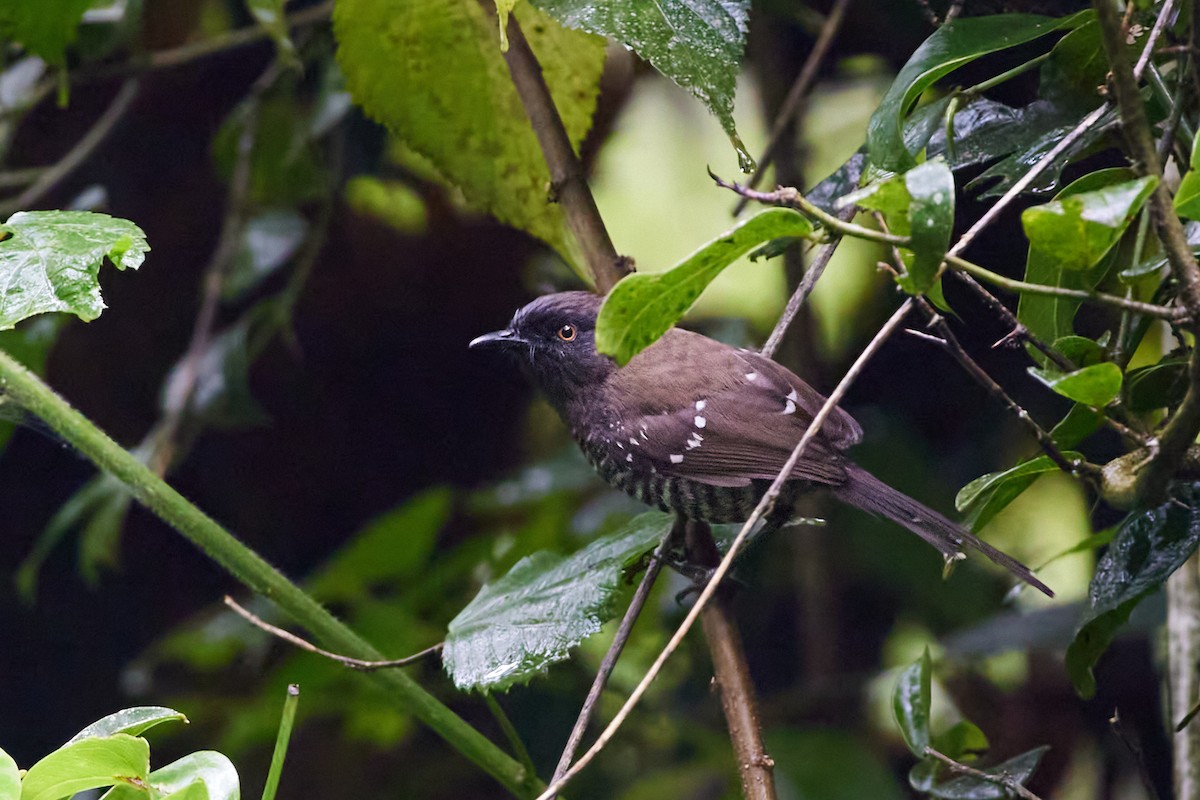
1160	23
354	663
20	177
568	180
614	650
77	155
1005	781
1114	722
764	506
1183	653
811	275
793	105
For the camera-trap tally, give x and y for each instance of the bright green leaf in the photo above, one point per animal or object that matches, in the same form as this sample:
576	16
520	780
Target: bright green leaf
1080	229
88	764
948	48
431	72
1187	199
1097	385
988	495
643	306
546	604
931	220
503	9
10	778
133	721
50	261
1148	547
911	702
698	44
44	27
204	775
964	741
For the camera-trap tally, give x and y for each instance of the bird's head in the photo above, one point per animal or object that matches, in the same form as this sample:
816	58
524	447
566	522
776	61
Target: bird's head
554	338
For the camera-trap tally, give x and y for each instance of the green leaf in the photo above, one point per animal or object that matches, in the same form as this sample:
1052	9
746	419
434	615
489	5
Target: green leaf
911	702
219	379
827	764
697	44
51	259
948	48
546	604
203	775
269	239
1187	199
269	14
284	166
431	72
931	220
1079	423
1156	386
1017	770
1080	229
133	721
962	742
988	495
1148	547
10	778
88	764
644	306
1097	385
44	27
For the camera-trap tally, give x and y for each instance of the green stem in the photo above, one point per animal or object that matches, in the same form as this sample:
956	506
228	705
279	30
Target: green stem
510	732
281	742
847	228
993	82
1149	309
241	562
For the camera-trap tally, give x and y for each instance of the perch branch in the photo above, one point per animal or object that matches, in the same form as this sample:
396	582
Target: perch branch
1004	781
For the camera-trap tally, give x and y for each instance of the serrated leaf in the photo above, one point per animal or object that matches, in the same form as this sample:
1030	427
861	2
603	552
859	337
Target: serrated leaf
88	764
203	775
44	27
431	72
1077	231
698	44
10	778
1148	547
931	220
50	261
911	702
644	306
1097	385
529	619
133	721
948	48
988	495
1018	770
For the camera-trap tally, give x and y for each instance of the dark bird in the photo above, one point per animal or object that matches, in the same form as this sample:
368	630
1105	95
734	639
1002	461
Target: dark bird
700	428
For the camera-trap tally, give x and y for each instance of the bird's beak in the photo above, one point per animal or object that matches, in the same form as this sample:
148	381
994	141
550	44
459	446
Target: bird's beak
499	339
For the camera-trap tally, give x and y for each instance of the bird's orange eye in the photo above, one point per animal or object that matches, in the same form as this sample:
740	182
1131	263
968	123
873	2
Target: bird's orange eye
567	333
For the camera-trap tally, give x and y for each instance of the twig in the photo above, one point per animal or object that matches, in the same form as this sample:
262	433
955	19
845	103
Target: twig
1135	750
731	674
811	275
764	506
20	177
793	105
1160	23
353	663
1000	780
614	650
78	154
568	181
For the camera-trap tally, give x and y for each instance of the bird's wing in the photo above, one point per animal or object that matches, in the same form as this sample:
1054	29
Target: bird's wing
745	430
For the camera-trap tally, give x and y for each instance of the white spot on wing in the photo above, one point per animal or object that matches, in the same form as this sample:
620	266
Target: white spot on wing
629	457
790	408
700	404
751	376
700	421
792	395
633	440
676	458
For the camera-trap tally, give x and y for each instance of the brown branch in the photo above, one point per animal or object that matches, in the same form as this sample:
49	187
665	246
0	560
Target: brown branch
731	674
636	604
568	180
78	154
1000	780
793	107
353	663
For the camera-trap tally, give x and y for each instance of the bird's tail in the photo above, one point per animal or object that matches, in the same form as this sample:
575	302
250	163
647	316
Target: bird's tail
863	490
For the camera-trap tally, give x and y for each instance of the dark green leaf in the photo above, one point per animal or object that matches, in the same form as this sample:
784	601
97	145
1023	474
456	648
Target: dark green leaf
284	168
830	765
1077	67
133	721
219	380
43	27
988	495
697	44
1050	318
1016	770
644	306
911	702
51	259
431	72
931	220
1156	386
948	48
1079	350
1148	547
87	764
827	194
529	619
30	343
1079	423
1097	385
10	778
1080	229
269	240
